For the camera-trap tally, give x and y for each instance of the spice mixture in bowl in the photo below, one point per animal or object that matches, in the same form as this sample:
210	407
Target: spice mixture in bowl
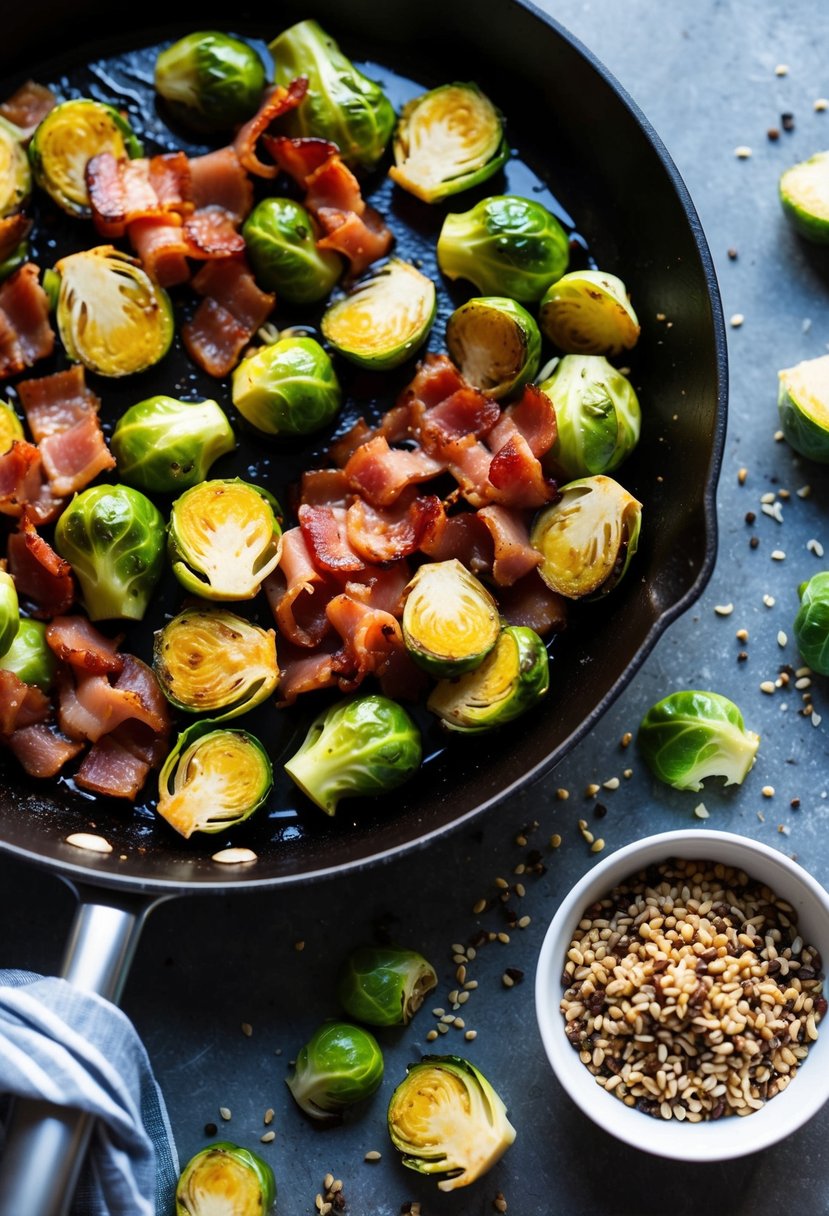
683	977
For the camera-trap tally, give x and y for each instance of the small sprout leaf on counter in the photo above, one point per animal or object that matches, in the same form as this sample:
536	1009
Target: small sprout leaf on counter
691	735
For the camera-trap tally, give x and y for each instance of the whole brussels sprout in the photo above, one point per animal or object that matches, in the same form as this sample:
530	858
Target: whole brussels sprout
384	985
213	779
447	140
803	405
513	678
211	81
111	315
506	246
15	173
163	445
341	105
597	415
691	735
385	317
225	1180
67	138
288	388
811	625
588	312
450	620
362	746
340	1064
495	343
113	536
281	243
447	1120
30	657
9	611
804	195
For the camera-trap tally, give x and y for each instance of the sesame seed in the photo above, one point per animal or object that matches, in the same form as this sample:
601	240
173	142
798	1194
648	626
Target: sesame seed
372	1155
459	958
520	841
443	1028
439	1012
89	841
499	1203
816	719
769	600
463	997
768	497
457	948
821	104
627	774
612	783
268	1116
478	907
767	686
782	637
459	1023
247	1029
782	69
767	791
724	609
743	152
742	474
470	1035
470	954
741	635
732	254
448	1018
592	790
773	510
503	938
267	1137
507	980
626	739
803	671
701	811
460	974
502	883
431	1035
803	682
520	868
736	320
803	492
814	546
524	921
224	1111
234	857
555	841
299	946
597	846
453	997
520	890
777	555
328	1182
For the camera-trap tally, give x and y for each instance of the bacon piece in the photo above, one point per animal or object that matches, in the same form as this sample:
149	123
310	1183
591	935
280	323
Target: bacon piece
138	679
300	157
142	741
111	769
122	190
228	317
278	101
42	750
21	480
217	179
324	488
531	602
381	587
343	448
380	473
469	462
13	230
39	573
160	243
297	593
466	411
28	106
171	179
326	536
75	457
211	233
25	332
386	535
94	707
435	379
107	194
20	704
518	477
533	416
466	537
362	239
55	403
369	637
513	555
301	672
76	641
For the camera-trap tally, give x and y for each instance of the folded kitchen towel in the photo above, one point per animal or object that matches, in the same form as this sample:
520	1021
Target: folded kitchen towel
75	1049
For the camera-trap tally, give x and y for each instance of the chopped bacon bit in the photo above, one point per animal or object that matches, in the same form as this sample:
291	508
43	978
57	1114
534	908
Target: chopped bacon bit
25	332
369	637
325	488
228	317
532	416
465	412
111	769
107	194
42	750
211	233
55	403
28	106
171	179
161	245
436	378
21	480
381	473
299	158
13	230
513	555
380	536
75	457
360	238
301	672
39	573
278	101
297	593
214	338
92	707
217	179
531	602
122	190
518	476
381	586
343	448
76	641
20	704
325	533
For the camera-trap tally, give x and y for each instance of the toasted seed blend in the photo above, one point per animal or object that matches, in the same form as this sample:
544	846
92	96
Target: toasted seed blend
690	993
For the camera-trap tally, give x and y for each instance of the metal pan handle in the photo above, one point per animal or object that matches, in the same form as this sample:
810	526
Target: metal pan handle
46	1144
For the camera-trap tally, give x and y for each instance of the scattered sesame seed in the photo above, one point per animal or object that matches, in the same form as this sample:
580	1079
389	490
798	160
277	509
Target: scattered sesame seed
372	1155
459	1023
767	686
224	1111
234	857
597	846
470	985
767	791
803	671
89	841
784	494
457	948
736	320
267	1137
453	997
503	938
431	1035
741	635
499	1203
778	555
470	1035
442	1028
460	974
459	958
742	474
268	1116
520	841
782	638
448	1018
821	104
507	981
803	682
562	795
814	546
470	954
520	868
627	774
247	1029
816	719
523	921
502	883
782	69
769	600
701	811
463	997
768	497
774	510
478	907
724	609
439	1012
555	841
592	790
299	946
743	152
803	492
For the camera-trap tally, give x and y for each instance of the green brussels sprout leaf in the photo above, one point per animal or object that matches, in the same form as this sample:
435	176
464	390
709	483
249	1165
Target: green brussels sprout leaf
597	416
163	445
691	735
340	1064
384	319
450	620
803	405
587	312
210	80
495	343
384	985
225	1180
287	388
512	679
811	625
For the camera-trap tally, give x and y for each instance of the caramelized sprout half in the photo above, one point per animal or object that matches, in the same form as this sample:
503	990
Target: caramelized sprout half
587	312
15	173
803	405
513	677
225	1180
67	138
495	343
384	319
450	620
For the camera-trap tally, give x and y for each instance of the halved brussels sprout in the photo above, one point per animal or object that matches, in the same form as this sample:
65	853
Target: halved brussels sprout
112	317
811	625
340	1064
446	1119
506	245
362	746
804	195
30	657
67	138
281	242
691	735
211	81
113	536
163	445
225	1180
287	388
447	140
450	621
513	677
341	104
208	660
11	428
803	405
9	611
384	319
587	312
213	779
597	415
224	539
15	173
495	343
384	985
588	537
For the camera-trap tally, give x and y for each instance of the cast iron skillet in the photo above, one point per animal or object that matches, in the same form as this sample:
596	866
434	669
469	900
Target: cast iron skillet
579	134
607	169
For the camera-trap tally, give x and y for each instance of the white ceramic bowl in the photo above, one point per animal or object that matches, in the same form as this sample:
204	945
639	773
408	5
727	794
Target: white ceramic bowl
731	1136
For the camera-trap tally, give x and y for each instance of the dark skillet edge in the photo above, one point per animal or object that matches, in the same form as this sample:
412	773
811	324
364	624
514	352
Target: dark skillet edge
95	871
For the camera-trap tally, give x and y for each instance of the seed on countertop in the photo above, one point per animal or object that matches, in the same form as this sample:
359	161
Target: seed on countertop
299	946
787	121
754	542
782	69
499	1203
526	920
768	497
804	491
814	546
470	1035
767	687
742	656
502	884
803	682
520	868
459	958
701	811
773	133
555	841
769	600
89	841
520	890
736	320
224	1111
247	1029
782	638
210	1129
521	840
448	1018
741	635
778	555
459	1023
267	1137
562	795
612	783
626	739
816	719
773	510
742	474
234	857
592	790
767	791
470	986
460	974
503	938
372	1155
597	845
627	774
268	1116
507	980
463	997
795	803
724	609
742	152
478	907
431	1035
821	104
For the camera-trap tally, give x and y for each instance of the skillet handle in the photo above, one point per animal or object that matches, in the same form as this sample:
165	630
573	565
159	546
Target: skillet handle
46	1144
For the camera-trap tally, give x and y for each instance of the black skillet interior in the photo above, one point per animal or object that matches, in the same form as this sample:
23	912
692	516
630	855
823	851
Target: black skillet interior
583	149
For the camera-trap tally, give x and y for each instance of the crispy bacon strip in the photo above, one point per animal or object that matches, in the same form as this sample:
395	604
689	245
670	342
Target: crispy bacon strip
466	411
21	480
300	157
297	593
518	476
25	332
20	704
228	317
301	672
76	641
466	537
111	769
435	379
75	457
380	473
39	573
28	106
533	417
163	248
278	101
326	537
380	536
217	179
369	637
63	416
211	233
55	403
122	190
42	750
513	555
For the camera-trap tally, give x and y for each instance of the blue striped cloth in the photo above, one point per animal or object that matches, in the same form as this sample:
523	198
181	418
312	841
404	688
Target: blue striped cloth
75	1049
